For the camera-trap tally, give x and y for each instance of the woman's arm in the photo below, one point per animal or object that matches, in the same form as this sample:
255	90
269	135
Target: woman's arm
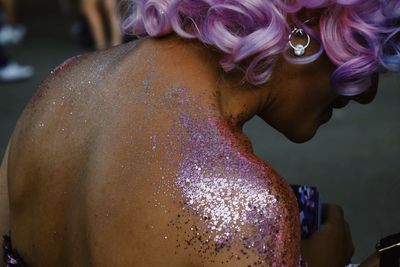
4	203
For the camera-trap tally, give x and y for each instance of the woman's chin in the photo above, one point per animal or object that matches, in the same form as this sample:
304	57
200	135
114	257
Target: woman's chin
306	131
300	140
301	136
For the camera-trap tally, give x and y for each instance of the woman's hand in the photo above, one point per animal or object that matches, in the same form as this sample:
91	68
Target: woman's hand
332	245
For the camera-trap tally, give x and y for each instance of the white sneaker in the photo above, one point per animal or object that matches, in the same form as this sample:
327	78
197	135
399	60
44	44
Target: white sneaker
14	72
12	34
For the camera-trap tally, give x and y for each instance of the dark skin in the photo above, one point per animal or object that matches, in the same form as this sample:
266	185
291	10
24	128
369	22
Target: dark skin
99	215
107	217
332	245
317	249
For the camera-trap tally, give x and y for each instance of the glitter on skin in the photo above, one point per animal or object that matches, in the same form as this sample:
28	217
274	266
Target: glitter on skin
72	92
217	197
235	195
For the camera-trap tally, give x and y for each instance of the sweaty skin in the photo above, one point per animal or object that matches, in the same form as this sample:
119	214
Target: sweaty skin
122	158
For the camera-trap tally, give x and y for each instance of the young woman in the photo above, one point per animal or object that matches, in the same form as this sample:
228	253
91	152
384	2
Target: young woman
135	156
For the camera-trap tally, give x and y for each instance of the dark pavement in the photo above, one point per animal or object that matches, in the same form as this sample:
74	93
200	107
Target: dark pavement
353	160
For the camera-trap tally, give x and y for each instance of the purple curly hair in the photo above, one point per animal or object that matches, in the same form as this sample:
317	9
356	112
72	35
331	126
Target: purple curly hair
359	36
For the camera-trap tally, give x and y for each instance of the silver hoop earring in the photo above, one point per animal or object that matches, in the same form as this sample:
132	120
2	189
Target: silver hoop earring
299	49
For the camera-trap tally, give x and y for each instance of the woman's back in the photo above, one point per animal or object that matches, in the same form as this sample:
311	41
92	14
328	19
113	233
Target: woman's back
121	159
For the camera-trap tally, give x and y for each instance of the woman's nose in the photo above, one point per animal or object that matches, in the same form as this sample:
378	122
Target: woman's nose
369	95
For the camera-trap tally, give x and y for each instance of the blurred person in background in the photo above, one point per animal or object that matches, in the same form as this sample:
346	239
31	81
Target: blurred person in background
10	32
65	6
10	71
91	9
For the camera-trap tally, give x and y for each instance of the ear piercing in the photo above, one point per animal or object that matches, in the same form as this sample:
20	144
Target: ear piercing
299	49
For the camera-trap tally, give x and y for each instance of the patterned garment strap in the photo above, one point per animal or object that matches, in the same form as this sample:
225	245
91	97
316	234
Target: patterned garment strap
11	257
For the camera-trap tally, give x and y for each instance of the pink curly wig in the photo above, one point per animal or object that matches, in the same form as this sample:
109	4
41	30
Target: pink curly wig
359	36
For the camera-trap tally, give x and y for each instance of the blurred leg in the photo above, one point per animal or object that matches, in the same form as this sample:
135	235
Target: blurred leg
4	59
65	6
9	10
10	32
11	71
91	12
113	18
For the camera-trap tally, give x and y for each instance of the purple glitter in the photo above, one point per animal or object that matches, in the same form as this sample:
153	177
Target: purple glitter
237	197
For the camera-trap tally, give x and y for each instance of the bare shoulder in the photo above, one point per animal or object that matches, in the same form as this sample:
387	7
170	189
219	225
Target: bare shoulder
69	97
85	71
234	208
243	218
231	207
204	218
209	202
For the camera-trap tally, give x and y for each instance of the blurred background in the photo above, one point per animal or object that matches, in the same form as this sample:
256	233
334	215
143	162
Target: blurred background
353	160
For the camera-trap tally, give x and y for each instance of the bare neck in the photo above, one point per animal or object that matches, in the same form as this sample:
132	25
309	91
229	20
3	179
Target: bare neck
197	66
